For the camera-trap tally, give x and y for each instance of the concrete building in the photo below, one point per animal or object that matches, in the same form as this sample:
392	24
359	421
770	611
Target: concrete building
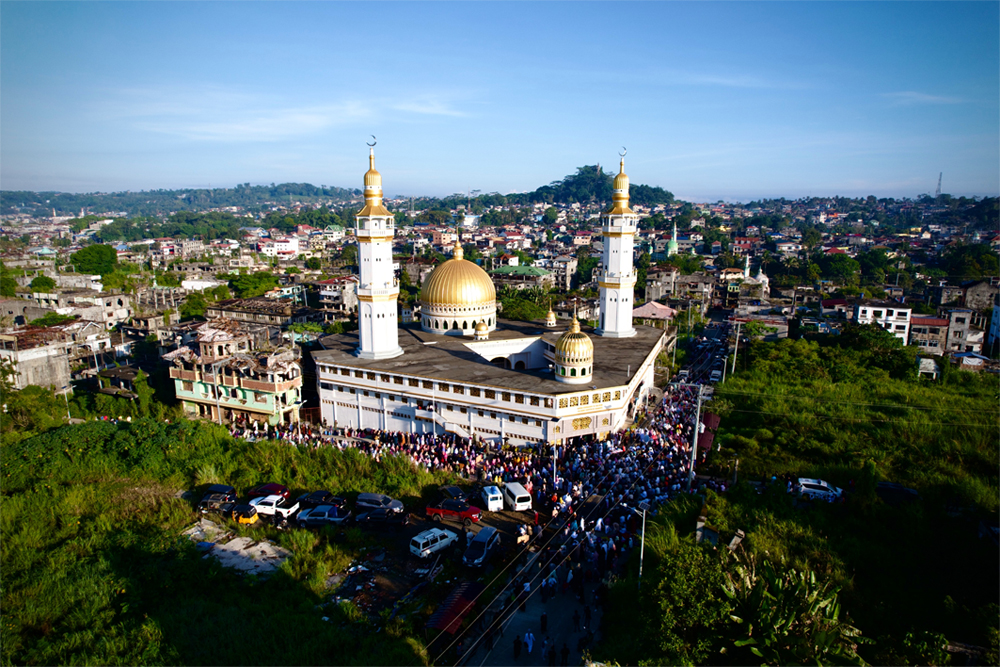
962	335
891	316
219	375
338	297
930	334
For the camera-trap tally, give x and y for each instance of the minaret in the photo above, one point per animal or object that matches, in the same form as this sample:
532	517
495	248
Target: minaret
377	288
672	245
618	226
746	269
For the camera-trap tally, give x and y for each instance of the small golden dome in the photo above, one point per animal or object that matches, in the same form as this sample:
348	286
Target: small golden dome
550	318
621	180
619	198
458	282
373	191
482	328
574	346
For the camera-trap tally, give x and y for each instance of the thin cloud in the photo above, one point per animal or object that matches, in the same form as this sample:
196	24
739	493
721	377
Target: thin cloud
429	106
912	98
215	114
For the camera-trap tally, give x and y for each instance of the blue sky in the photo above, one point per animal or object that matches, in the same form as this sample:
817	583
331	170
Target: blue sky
713	100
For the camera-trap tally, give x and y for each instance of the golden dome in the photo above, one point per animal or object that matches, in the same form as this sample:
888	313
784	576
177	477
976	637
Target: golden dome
373	190
482	328
574	346
458	282
619	197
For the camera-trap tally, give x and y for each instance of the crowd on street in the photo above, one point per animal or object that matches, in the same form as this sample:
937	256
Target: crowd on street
650	462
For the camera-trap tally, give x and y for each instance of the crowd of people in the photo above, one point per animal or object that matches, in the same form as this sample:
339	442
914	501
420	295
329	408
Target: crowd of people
650	462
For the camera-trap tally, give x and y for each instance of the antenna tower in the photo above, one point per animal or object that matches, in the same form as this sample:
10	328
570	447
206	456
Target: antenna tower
937	193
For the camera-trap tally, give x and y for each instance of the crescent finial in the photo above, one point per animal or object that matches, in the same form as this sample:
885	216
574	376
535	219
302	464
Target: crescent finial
624	151
374	141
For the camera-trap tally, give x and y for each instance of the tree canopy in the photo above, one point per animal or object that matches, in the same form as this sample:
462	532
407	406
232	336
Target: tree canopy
96	258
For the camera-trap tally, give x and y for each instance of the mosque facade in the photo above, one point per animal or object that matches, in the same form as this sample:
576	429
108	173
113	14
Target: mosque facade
462	370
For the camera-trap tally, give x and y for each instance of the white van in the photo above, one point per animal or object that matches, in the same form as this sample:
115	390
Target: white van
716	376
516	497
431	541
492	499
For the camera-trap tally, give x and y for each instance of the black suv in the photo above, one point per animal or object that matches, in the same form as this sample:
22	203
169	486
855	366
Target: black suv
219	498
317	498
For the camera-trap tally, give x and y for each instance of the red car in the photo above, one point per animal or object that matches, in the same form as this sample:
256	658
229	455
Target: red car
269	490
456	510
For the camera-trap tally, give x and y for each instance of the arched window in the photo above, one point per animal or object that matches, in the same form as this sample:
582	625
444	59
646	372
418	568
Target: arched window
465	324
572	372
455	325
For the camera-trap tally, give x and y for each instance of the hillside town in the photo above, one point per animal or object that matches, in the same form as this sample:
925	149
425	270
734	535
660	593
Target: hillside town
924	270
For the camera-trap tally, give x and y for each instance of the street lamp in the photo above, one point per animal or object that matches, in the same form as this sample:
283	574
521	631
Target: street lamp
644	506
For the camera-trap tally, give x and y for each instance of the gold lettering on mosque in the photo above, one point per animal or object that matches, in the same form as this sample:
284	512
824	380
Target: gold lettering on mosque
581	423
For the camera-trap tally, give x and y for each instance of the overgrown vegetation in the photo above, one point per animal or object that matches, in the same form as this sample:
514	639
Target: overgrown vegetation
95	570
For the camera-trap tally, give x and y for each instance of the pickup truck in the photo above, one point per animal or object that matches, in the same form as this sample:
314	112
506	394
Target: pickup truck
274	507
456	510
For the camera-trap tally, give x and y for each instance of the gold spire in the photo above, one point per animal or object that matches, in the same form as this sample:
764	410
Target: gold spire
459	253
373	189
619	197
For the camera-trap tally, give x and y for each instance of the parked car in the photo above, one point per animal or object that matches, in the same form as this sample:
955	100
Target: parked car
431	541
817	489
455	510
317	498
275	507
492	499
715	376
272	489
374	501
245	514
217	498
454	493
483	546
382	518
324	515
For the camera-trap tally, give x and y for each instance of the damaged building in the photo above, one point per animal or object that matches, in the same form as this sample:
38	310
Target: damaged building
221	374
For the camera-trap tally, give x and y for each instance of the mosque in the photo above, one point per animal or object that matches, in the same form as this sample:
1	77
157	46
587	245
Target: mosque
463	370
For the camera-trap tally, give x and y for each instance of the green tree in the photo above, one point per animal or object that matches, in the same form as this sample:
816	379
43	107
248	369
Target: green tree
42	284
691	610
314	263
194	306
8	286
95	258
787	617
550	216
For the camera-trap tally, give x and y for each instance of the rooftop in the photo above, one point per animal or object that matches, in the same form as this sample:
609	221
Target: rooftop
448	358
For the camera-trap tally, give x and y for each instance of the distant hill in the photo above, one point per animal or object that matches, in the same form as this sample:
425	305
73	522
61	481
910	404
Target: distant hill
163	202
590	184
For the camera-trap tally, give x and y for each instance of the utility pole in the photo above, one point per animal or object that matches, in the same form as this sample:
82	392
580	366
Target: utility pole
737	350
694	438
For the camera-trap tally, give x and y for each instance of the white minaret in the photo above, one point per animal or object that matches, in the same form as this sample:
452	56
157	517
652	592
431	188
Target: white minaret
618	226
377	289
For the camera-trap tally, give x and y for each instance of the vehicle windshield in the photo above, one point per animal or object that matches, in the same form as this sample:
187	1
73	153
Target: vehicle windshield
476	549
415	543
